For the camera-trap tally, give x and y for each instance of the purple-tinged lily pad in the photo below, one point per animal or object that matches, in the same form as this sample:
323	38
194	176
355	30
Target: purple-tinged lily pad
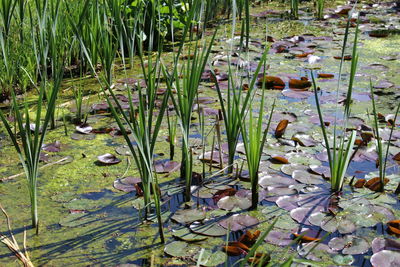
279	238
239	222
386	258
231	202
127	184
52	147
379	244
306	177
301	214
166	166
108	159
349	244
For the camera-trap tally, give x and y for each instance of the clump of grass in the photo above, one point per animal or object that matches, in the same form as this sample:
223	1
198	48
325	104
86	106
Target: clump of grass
27	142
319	8
186	92
339	154
382	153
294	9
254	139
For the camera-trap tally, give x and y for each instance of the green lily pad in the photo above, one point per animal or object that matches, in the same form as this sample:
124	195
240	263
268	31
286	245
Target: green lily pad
64	197
82	204
209	258
208	229
180	249
188	216
343	259
75	219
186	235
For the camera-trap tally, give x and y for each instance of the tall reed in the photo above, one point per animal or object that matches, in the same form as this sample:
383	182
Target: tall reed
27	144
339	154
382	152
184	100
254	138
319	8
234	105
294	9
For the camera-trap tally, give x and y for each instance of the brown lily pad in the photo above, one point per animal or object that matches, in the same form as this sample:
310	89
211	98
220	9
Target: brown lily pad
281	128
394	227
271	82
299	84
374	184
325	75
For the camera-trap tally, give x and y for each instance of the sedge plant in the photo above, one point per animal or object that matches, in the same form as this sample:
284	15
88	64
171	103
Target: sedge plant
382	152
140	120
319	8
341	150
294	9
186	92
234	106
254	138
28	143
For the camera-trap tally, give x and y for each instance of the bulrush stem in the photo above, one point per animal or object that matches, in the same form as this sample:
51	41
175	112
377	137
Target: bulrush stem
254	191
34	210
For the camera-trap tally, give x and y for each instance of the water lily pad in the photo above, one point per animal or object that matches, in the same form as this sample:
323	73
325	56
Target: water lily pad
180	249
108	159
188	216
209	258
208	229
186	235
52	147
343	259
127	184
349	244
166	166
123	150
84	129
379	244
386	258
307	178
79	136
279	238
75	219
232	202
239	222
82	204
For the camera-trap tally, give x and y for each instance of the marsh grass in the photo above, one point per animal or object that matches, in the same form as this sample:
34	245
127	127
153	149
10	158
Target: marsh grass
339	154
382	152
254	138
27	144
294	9
234	105
186	94
319	9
